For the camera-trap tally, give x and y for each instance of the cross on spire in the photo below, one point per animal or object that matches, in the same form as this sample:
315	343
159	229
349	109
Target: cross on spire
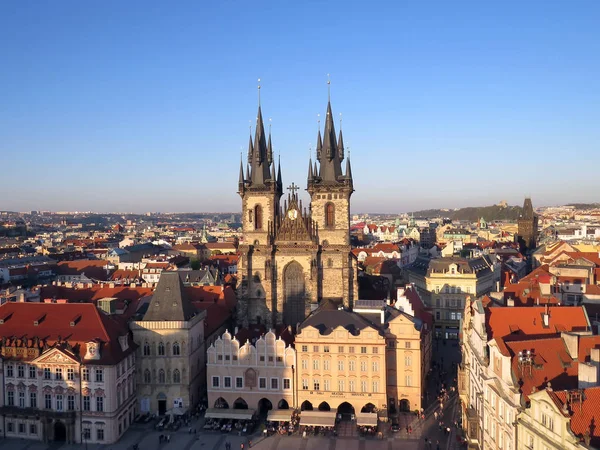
293	188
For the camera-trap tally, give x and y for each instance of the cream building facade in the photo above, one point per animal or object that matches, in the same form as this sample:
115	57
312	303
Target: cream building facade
445	283
171	350
80	389
364	360
257	376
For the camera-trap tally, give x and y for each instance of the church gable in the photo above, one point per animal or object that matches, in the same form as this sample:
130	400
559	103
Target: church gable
297	225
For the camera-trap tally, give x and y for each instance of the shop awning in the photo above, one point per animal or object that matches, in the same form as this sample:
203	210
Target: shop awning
317	418
225	413
366	419
280	415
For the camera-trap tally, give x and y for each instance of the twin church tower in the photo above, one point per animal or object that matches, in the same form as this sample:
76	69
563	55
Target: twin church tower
294	258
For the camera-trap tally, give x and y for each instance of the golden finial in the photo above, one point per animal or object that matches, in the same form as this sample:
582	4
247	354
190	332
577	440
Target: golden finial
328	88
270	122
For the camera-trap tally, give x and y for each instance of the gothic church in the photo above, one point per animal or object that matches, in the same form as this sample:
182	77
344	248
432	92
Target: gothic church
293	258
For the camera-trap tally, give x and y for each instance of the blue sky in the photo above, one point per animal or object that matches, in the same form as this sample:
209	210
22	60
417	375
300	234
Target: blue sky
145	106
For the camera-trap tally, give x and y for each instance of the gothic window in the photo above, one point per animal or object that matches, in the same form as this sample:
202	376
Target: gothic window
161	376
258	217
176	376
147	378
294	294
329	215
146	349
161	349
176	349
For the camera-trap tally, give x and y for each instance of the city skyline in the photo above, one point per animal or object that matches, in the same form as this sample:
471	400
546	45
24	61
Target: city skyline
146	108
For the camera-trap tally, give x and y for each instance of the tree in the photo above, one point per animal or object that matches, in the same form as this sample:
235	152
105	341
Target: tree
195	264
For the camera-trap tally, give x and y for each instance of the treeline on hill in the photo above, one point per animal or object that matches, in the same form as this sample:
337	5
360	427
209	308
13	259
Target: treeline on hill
474	213
585	205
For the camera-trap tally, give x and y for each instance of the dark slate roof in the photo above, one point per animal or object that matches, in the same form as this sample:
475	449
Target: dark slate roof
169	301
326	319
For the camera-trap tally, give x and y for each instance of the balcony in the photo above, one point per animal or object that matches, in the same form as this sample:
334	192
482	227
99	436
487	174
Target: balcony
15	411
471	427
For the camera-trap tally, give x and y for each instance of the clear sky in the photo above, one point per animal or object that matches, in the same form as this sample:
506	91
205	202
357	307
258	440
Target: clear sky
145	106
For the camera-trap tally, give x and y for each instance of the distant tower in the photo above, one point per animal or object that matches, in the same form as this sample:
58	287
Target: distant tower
527	227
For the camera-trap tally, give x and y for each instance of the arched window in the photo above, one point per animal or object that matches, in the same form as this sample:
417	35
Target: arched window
176	349
176	376
147	377
161	349
161	376
329	215
258	217
329	262
146	349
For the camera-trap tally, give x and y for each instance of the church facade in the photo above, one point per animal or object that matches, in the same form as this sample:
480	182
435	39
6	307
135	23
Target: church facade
292	257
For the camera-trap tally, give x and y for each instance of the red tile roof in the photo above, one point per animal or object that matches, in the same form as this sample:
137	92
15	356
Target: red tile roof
528	320
90	324
584	415
92	268
551	364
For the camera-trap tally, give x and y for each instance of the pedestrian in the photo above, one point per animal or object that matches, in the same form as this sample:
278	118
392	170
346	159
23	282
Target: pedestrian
409	430
249	444
242	446
304	434
448	431
406	429
435	414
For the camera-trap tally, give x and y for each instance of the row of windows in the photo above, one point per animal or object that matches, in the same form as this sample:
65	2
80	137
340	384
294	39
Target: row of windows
58	374
341	349
161	349
162	378
58	402
341	365
449	303
261	358
449	315
239	383
87	434
341	385
453	289
21	428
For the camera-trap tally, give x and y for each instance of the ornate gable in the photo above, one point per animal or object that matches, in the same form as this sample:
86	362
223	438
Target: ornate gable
296	224
55	356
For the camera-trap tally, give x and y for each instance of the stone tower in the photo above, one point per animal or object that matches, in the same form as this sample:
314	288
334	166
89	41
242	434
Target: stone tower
330	191
527	227
261	190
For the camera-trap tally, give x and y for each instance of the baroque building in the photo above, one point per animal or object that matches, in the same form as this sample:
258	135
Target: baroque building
292	258
171	349
67	373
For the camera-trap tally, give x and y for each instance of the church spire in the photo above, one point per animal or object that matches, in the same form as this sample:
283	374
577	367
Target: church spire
260	162
349	171
279	181
329	156
310	171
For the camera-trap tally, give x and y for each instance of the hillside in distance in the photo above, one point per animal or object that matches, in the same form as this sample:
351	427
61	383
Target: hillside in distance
474	213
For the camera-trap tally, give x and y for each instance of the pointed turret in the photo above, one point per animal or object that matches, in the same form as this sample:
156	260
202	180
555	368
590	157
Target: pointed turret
250	148
310	171
270	150
349	171
279	181
260	162
341	145
241	180
330	164
319	145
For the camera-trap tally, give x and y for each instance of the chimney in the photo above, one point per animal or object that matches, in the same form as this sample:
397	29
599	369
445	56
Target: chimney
572	343
546	317
510	302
